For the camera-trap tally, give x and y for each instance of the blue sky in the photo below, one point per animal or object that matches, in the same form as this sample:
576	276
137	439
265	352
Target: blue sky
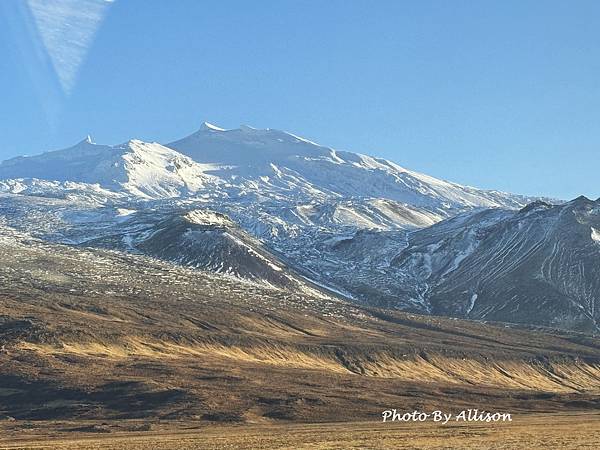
495	94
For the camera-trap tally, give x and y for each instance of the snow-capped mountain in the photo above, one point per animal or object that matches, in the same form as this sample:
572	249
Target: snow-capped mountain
537	265
280	165
256	165
271	207
144	170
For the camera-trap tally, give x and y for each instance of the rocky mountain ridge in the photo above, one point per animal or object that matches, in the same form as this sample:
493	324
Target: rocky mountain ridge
363	228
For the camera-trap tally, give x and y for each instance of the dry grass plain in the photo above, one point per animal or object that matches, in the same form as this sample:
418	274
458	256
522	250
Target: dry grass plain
527	431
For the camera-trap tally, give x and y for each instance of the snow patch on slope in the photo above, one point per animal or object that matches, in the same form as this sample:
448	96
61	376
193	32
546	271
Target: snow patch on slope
471	303
206	217
209	126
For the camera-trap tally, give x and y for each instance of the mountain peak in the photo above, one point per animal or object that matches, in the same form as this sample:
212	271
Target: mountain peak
536	205
248	128
135	142
207	126
581	200
88	140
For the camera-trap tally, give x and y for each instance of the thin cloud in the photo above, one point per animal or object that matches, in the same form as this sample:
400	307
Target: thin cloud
67	29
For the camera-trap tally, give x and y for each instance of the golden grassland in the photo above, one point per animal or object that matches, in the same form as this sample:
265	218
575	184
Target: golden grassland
526	431
434	368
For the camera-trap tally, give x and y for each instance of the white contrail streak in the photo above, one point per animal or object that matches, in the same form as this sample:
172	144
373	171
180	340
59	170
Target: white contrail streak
67	29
